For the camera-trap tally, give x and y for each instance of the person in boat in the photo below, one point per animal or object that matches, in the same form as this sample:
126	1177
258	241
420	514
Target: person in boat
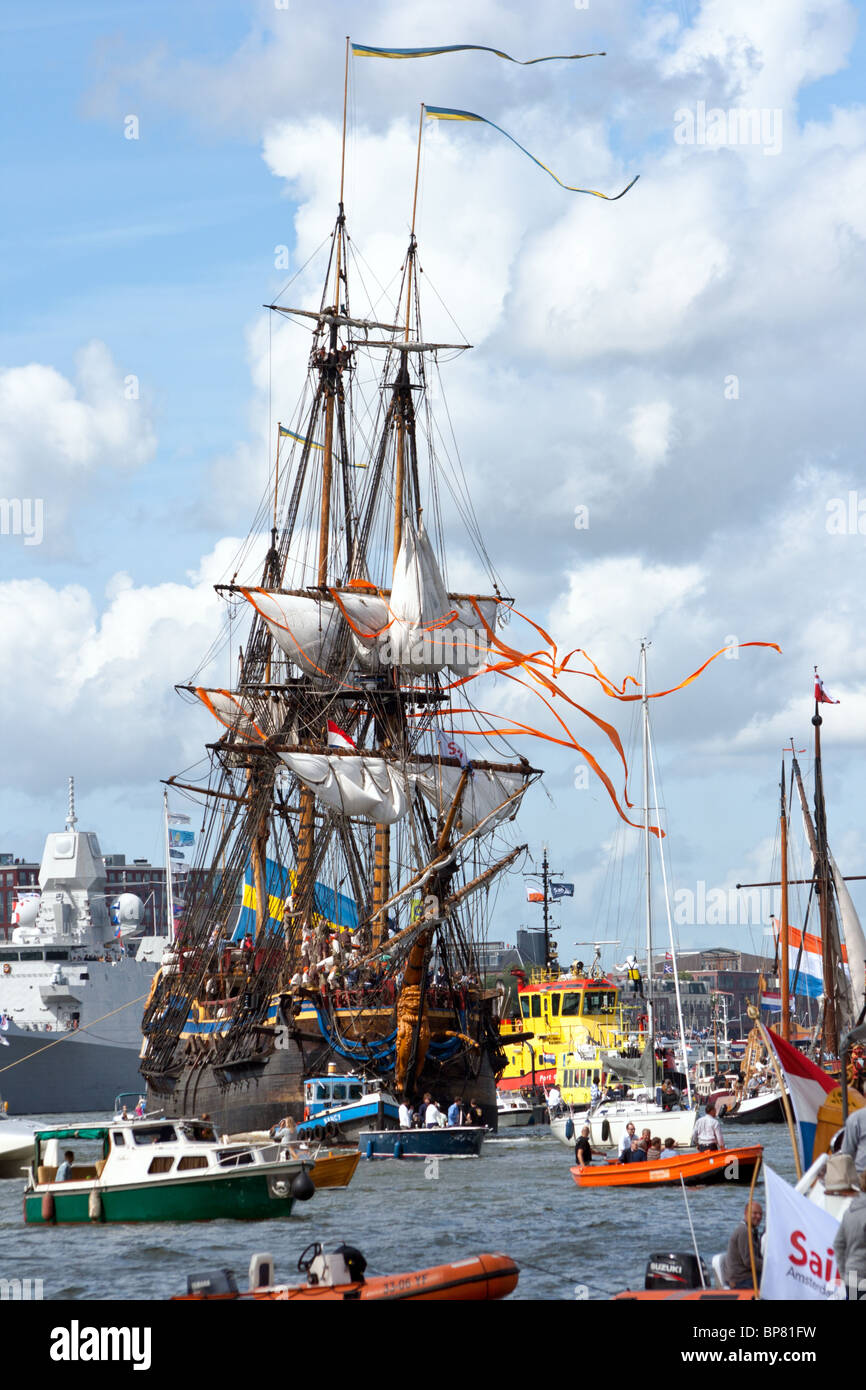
583	1149
405	1115
850	1246
140	1108
594	1094
707	1133
627	1139
854	1138
554	1099
737	1263
455	1113
64	1172
433	1116
670	1147
475	1115
124	1114
671	1097
285	1130
655	1150
632	970
422	1108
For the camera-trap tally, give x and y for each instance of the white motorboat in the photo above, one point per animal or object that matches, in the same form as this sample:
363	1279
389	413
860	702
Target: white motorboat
607	1123
514	1111
16	1145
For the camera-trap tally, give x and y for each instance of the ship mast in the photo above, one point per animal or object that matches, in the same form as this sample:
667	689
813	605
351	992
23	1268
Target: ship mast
647	858
783	914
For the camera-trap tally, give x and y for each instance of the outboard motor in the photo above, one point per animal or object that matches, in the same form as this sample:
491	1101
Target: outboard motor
675	1271
343	1265
223	1281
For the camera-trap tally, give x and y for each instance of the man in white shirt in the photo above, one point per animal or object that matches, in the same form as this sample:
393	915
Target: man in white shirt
707	1133
405	1116
433	1116
554	1099
625	1143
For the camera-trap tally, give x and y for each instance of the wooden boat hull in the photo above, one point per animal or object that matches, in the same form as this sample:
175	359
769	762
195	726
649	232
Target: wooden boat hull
336	1168
478	1279
721	1165
769	1111
457	1141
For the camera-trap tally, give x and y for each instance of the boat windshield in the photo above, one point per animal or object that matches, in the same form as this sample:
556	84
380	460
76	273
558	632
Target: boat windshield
154	1134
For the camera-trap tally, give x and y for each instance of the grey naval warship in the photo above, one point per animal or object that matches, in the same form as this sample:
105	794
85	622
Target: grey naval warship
71	991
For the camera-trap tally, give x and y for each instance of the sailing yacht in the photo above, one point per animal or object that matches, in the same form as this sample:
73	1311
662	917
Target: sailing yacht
607	1120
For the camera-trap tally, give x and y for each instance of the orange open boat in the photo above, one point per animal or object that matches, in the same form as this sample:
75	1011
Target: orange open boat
480	1277
714	1165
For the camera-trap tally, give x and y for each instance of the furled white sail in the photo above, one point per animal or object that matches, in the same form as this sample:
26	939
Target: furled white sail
305	626
370	788
485	792
234	712
852	932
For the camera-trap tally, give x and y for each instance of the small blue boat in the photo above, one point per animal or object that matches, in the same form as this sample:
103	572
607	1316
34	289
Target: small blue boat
454	1141
337	1107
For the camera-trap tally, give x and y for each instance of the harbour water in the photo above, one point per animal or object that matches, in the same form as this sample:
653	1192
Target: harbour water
519	1198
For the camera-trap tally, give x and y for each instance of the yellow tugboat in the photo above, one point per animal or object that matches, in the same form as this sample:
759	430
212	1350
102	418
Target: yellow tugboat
567	1023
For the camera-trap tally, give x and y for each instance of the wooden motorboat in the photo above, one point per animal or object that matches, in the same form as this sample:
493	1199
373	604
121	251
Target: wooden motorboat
164	1170
714	1165
331	1167
340	1275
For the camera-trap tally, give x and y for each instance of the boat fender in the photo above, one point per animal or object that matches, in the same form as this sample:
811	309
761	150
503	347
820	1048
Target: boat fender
94	1206
303	1186
330	1131
569	1129
48	1213
398	1149
605	1131
369	1148
318	1132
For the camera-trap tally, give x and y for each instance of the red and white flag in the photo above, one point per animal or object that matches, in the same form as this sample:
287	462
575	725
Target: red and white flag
337	737
821	696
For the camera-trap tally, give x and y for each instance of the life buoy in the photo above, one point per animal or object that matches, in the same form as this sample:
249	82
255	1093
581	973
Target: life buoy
7	969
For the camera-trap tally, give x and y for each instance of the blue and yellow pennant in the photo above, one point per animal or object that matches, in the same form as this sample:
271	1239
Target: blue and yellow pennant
301	439
448	113
363	50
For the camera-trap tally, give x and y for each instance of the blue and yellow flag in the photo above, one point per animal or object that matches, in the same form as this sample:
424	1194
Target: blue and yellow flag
363	50
448	113
301	439
330	907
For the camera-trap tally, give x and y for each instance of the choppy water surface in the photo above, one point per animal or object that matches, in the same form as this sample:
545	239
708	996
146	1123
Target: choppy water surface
518	1198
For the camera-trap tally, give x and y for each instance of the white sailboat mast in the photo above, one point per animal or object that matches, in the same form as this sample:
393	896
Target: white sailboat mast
646	839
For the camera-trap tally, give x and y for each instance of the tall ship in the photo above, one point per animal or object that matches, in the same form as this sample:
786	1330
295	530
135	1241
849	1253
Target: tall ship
73	983
358	800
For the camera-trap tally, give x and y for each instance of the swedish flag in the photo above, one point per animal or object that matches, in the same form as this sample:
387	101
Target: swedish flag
363	50
449	113
301	439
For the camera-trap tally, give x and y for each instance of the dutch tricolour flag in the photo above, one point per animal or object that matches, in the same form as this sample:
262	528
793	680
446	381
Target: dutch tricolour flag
808	1087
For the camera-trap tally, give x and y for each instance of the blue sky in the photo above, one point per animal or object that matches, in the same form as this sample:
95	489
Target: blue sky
162	250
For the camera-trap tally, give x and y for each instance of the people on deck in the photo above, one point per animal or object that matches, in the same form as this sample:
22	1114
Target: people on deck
433	1116
670	1147
707	1133
405	1115
422	1108
738	1263
474	1115
583	1148
639	1151
594	1094
554	1099
64	1172
655	1149
671	1097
